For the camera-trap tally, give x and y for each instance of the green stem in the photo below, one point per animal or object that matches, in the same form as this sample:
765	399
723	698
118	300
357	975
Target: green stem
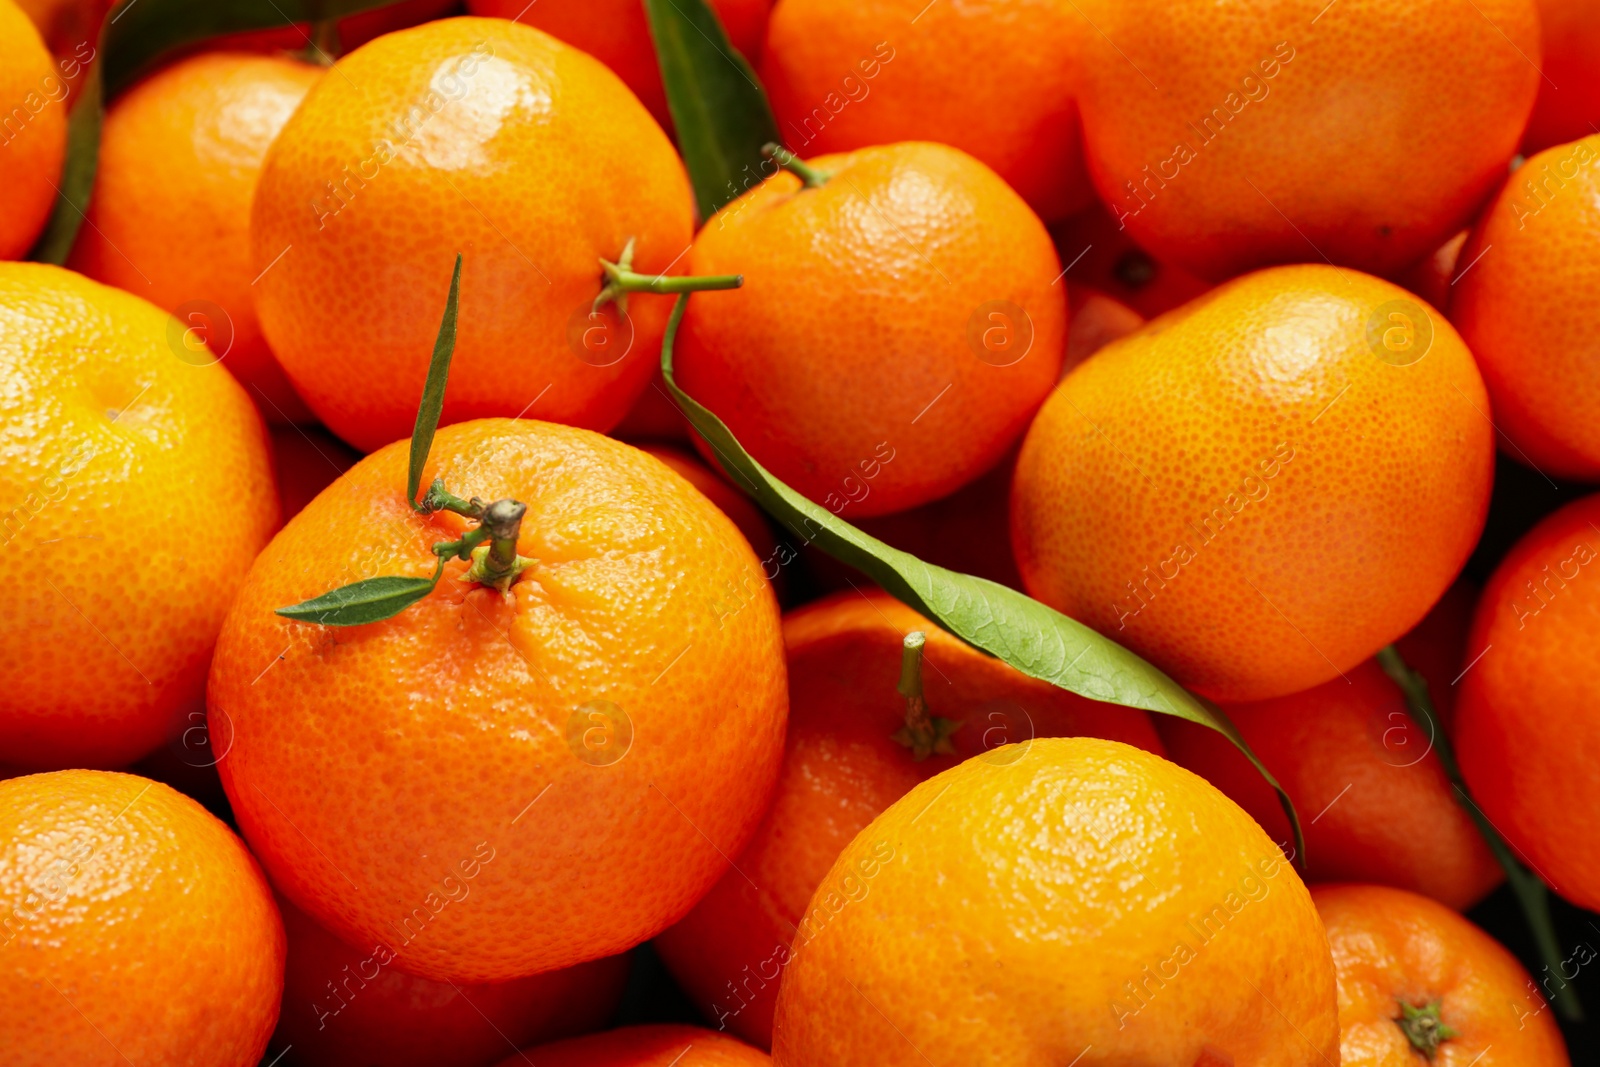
1423	1027
922	733
438	498
810	176
497	563
622	279
1530	892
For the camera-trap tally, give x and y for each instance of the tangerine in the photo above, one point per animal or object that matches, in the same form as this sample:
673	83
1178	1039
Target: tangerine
576	761
848	74
1524	725
34	136
489	138
1418	980
897	327
170	216
1374	799
138	928
114	435
842	767
1524	305
1569	93
1069	899
1213	139
1214	492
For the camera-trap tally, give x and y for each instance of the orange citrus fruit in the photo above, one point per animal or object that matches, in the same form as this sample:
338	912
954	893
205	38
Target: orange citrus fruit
343	1005
617	33
848	74
138	489
1524	304
1373	798
897	327
1301	130
1524	723
1068	898
576	759
138	929
170	217
487	138
661	1045
1569	93
1420	984
842	767
34	136
1213	490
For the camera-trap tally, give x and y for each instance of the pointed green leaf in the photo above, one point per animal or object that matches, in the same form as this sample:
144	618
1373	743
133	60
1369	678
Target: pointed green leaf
1529	889
134	38
444	346
1037	640
718	107
369	600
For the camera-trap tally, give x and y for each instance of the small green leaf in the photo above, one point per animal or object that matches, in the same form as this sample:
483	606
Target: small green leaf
444	346
718	107
369	600
1035	639
135	37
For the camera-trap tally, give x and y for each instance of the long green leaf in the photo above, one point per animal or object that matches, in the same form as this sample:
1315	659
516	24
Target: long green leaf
444	347
133	39
718	107
1530	891
369	600
1035	639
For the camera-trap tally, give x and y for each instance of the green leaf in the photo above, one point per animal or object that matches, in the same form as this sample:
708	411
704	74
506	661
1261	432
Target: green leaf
136	36
369	600
444	346
1035	639
1529	889
718	107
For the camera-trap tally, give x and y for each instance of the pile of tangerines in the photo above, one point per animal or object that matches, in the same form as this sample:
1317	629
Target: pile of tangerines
399	670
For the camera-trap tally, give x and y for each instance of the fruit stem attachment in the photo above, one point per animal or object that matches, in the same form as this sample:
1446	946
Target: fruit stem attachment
497	563
810	176
1423	1028
922	733
621	279
1530	891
